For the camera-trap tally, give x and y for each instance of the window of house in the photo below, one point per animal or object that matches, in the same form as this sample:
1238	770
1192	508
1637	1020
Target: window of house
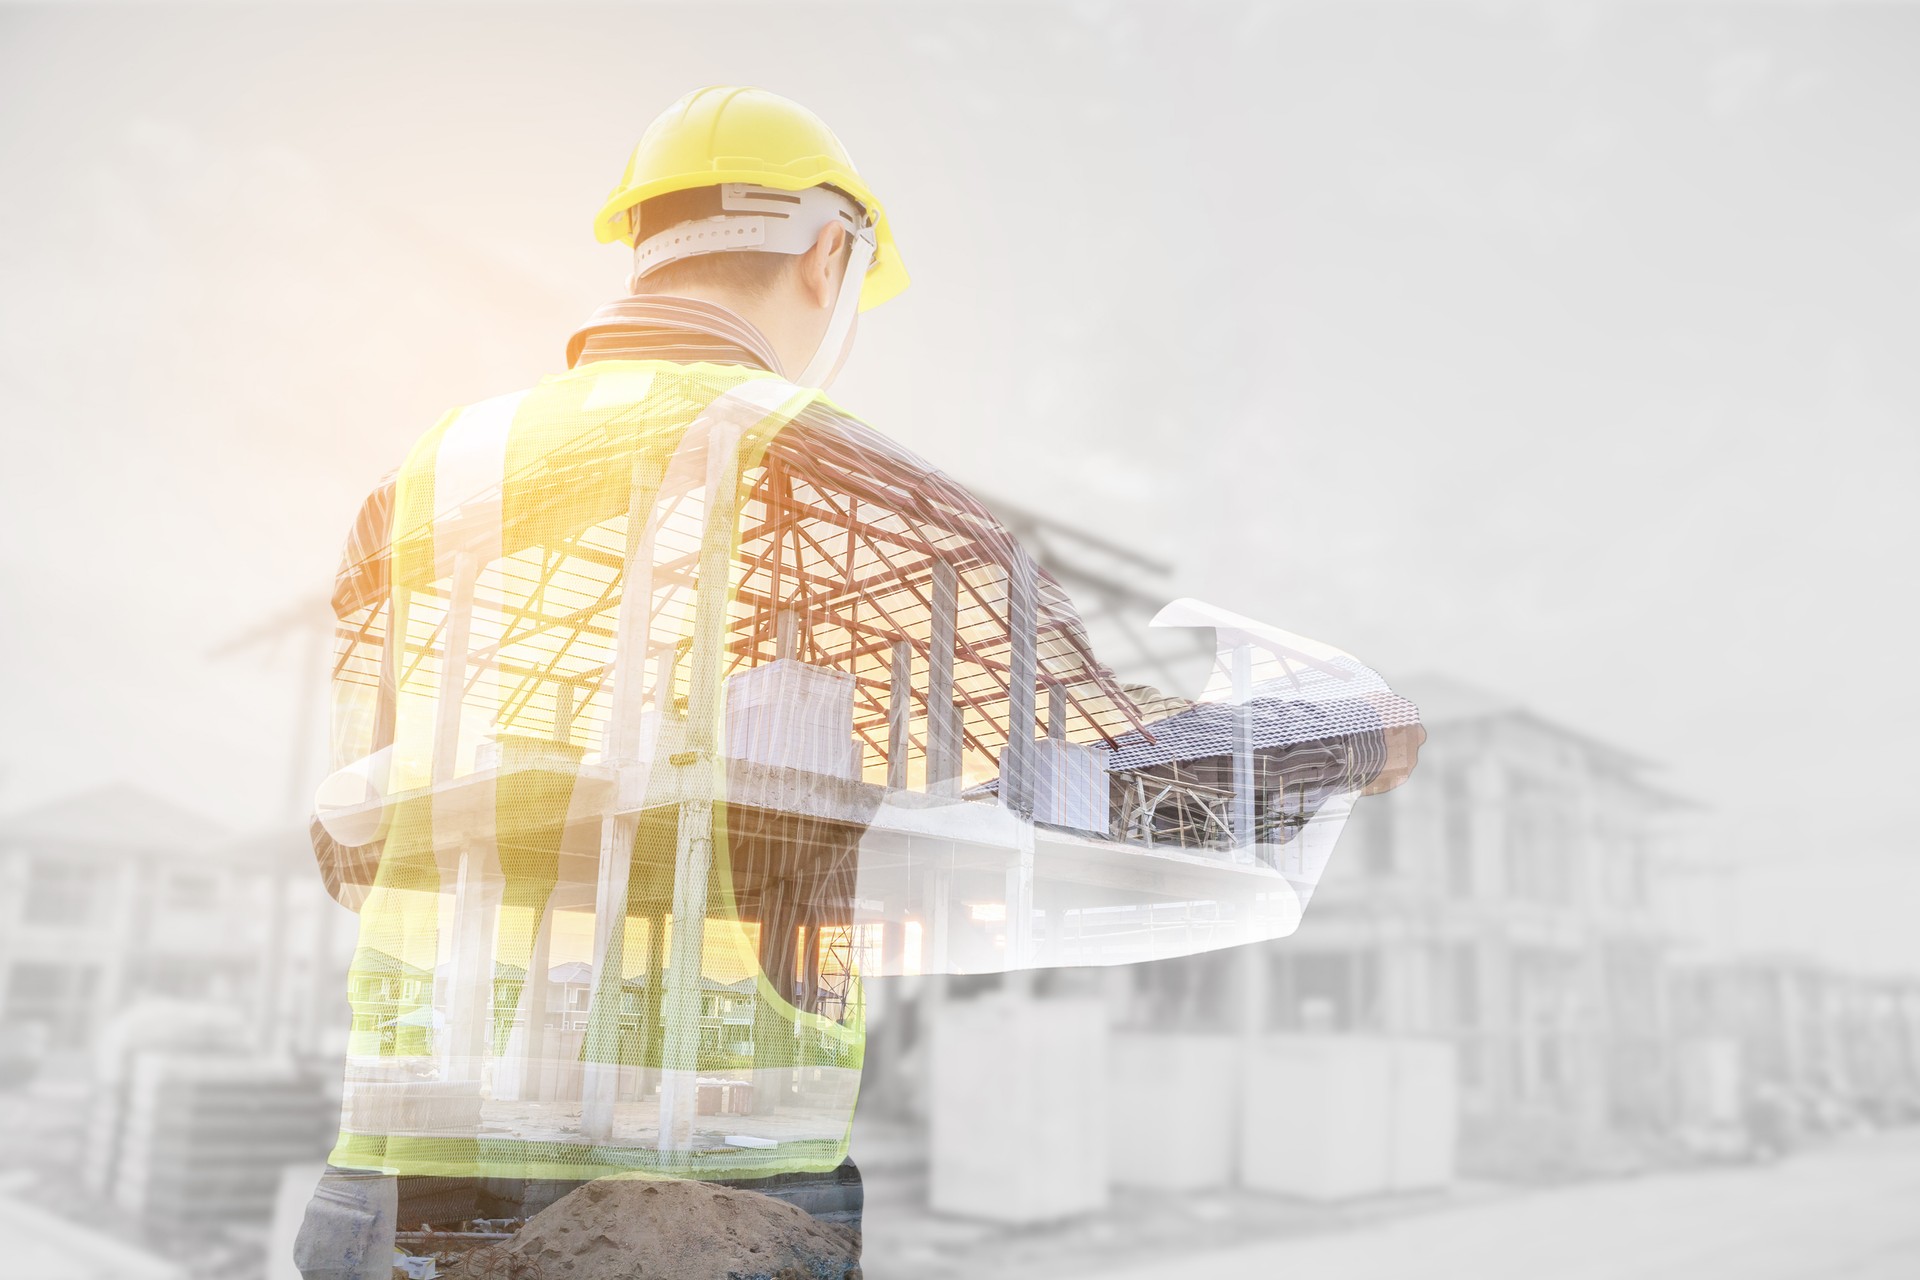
176	976
1334	993
1541	843
64	893
191	891
54	996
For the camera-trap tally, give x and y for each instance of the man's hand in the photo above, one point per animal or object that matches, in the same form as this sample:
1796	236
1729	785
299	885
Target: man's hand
1403	752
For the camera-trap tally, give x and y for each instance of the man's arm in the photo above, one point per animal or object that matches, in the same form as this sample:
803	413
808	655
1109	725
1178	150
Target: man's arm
1377	733
360	595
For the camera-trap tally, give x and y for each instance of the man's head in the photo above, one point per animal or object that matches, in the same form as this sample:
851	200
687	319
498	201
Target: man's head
790	296
741	197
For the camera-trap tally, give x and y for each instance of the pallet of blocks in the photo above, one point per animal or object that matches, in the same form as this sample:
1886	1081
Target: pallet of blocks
1172	1109
1332	1117
204	1137
1017	1109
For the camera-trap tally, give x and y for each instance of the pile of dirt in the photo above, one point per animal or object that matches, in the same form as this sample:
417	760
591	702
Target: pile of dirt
629	1228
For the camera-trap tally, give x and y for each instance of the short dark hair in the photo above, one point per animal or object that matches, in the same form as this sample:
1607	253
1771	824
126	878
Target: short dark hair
746	271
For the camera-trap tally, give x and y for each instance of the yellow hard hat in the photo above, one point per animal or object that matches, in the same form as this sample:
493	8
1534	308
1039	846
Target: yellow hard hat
729	134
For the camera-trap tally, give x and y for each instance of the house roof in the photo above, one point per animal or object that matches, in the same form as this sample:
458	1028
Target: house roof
570	972
117	816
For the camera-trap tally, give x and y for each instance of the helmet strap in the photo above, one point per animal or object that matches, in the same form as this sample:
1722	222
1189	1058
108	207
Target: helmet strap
833	343
753	219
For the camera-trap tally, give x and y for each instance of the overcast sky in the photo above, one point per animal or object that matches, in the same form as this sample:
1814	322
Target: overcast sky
1568	350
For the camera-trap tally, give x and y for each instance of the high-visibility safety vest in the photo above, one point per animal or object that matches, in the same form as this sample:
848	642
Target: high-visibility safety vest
665	704
527	714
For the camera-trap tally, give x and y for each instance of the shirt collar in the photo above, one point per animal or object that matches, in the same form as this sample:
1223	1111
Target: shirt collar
667	327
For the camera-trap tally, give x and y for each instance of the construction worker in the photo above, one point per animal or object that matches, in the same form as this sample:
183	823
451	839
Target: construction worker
671	638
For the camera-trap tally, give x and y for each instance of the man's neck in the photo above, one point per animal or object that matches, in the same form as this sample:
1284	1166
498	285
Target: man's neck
674	327
770	315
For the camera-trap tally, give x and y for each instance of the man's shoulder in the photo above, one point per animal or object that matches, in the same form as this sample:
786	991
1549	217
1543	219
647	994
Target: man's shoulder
824	423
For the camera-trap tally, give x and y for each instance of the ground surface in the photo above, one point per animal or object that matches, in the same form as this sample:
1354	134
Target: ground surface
1846	1211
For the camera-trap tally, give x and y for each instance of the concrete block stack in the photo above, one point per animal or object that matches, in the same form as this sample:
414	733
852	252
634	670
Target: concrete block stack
792	715
1172	1108
1014	1138
203	1138
1335	1117
1070	785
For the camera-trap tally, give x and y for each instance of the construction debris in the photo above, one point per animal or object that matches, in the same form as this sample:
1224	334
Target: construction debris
620	1228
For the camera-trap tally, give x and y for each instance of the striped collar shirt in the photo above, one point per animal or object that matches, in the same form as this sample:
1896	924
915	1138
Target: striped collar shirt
664	327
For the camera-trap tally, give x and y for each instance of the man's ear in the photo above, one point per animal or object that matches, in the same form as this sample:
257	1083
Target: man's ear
818	265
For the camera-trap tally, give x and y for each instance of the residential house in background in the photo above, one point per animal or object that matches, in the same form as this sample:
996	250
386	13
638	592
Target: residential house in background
1503	901
116	895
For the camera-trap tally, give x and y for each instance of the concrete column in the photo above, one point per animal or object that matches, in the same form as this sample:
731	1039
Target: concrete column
666	674
600	1066
786	635
693	858
1017	765
1245	817
453	668
812	973
600	1070
651	1002
899	714
520	1076
680	1006
463	1045
943	716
